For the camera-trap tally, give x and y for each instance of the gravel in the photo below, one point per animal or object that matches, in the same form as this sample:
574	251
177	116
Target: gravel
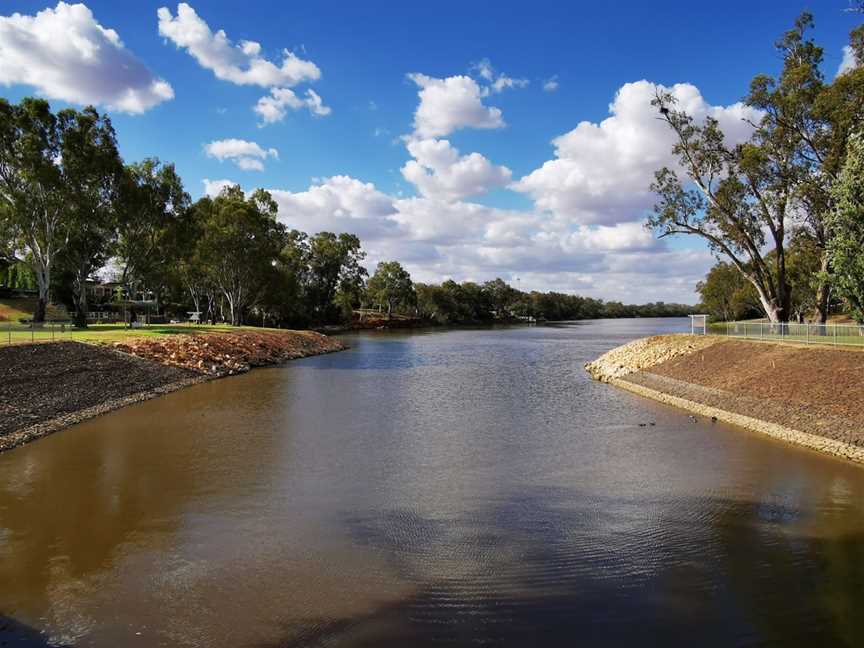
41	382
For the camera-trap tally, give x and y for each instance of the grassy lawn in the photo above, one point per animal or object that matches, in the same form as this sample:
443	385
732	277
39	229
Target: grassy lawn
13	333
838	333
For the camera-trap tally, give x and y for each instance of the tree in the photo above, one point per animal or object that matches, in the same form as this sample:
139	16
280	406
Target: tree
154	206
332	264
746	200
726	294
737	195
92	173
501	295
846	248
31	190
816	120
391	285
240	245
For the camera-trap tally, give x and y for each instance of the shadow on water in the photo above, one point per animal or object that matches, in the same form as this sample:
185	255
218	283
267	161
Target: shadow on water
540	571
14	634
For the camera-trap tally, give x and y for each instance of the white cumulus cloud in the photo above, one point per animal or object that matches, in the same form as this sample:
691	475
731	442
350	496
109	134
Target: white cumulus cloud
248	156
447	105
495	81
849	61
275	106
213	188
241	63
439	171
338	204
602	172
66	54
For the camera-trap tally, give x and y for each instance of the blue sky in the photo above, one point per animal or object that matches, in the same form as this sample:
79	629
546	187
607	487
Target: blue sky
572	226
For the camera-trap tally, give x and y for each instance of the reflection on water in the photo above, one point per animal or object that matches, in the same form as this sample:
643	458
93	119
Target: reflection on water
442	488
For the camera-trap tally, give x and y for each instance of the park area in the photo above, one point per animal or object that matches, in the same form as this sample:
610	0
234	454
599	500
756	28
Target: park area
16	327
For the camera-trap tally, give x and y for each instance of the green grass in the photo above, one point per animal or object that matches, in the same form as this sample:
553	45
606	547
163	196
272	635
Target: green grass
840	336
18	308
13	333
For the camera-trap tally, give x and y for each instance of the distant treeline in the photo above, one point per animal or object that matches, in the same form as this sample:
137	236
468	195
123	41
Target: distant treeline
450	303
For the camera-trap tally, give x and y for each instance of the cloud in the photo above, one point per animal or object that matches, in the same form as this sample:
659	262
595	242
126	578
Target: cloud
248	156
551	84
338	204
497	82
583	234
437	239
66	54
601	173
849	62
240	63
438	171
213	188
447	105
275	106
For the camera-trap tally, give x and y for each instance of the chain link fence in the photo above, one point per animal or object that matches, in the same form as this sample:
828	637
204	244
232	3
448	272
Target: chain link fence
33	332
833	334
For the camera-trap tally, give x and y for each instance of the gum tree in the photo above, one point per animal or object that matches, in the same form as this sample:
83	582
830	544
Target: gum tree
747	200
36	224
817	118
240	245
92	171
391	285
737	198
846	249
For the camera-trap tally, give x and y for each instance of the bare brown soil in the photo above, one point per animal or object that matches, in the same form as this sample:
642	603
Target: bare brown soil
809	389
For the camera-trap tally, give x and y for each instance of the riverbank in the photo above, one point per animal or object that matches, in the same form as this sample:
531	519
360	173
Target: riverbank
47	387
803	395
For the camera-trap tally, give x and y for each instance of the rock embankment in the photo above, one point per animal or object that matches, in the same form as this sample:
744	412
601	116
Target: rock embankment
225	354
808	396
47	387
644	353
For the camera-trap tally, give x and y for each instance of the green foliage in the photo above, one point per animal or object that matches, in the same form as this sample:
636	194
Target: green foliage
847	225
391	286
324	276
150	227
452	303
239	246
748	201
727	295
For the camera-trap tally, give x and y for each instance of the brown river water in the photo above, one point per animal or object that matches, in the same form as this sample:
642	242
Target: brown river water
437	488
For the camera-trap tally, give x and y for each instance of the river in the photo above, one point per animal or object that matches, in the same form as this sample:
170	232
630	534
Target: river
466	487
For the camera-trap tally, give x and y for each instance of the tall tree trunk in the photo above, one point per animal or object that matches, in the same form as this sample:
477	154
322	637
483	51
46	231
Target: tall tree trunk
43	279
823	291
81	306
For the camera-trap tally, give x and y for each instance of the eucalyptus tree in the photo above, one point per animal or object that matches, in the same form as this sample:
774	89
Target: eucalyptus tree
817	118
154	206
846	248
391	286
737	198
36	224
92	171
747	200
333	266
240	246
